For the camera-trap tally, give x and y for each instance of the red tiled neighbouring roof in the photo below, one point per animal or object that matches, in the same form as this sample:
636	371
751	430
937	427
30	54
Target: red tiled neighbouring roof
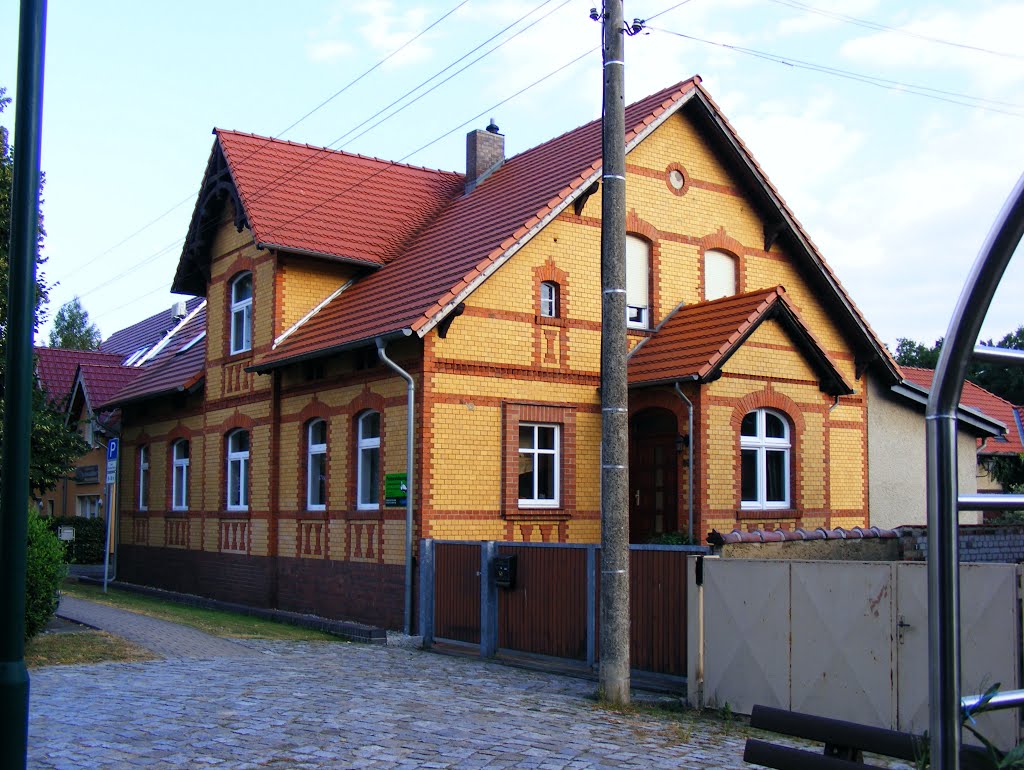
145	333
305	198
977	398
468	238
56	368
695	340
171	370
101	383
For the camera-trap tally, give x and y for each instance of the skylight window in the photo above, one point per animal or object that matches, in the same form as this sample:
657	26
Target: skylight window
134	357
191	343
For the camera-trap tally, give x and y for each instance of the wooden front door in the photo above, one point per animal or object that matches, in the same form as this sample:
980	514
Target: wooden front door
653	477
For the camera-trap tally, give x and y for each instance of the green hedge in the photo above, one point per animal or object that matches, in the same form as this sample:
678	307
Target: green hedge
44	572
90	534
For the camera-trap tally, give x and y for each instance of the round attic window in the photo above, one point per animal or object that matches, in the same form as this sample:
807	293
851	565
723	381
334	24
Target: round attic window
676	179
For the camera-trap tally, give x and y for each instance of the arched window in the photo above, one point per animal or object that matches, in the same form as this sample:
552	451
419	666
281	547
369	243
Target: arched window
238	471
638	268
549	299
316	465
179	475
368	461
144	477
719	274
241	313
765	462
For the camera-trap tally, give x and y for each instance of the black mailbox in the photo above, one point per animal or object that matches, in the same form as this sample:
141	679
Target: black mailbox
505	571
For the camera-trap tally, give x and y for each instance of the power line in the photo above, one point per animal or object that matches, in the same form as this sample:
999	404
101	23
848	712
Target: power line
952	97
867	24
326	151
260	148
432	142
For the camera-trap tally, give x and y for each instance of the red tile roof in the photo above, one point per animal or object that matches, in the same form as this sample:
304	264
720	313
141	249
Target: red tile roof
696	340
145	333
304	198
179	366
981	400
101	383
56	367
468	239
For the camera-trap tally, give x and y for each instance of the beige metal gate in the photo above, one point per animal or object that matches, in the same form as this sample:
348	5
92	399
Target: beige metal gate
846	639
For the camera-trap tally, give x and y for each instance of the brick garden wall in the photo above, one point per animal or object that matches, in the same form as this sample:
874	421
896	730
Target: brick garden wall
981	543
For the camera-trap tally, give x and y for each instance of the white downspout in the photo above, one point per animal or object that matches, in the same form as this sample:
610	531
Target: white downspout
409	466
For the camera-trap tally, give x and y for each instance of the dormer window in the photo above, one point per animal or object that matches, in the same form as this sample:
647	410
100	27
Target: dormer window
549	299
638	267
241	313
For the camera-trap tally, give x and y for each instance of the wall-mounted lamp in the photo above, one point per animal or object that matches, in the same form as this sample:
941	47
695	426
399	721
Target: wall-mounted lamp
682	442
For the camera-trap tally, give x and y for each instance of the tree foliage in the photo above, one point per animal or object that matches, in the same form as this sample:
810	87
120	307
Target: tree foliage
72	328
55	446
912	353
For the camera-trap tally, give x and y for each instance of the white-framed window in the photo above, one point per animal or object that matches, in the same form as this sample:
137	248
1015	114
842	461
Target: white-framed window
538	465
638	294
316	466
241	313
88	506
179	475
719	274
549	299
144	477
238	471
764	460
368	461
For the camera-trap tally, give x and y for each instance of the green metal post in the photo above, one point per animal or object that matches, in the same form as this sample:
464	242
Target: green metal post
18	385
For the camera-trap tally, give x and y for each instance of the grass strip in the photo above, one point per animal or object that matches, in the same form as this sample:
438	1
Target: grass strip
81	647
230	625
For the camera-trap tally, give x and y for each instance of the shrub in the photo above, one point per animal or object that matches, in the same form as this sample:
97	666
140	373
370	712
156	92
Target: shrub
44	573
90	534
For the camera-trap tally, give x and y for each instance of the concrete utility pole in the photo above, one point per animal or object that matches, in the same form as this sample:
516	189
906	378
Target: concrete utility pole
614	670
21	305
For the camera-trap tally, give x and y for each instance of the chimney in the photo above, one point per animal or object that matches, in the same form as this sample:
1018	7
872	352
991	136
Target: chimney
485	151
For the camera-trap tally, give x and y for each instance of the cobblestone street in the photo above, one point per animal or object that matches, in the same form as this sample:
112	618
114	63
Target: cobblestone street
341	705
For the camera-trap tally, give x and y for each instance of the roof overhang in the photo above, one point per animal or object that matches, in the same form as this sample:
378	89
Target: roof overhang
191	386
980	421
363	342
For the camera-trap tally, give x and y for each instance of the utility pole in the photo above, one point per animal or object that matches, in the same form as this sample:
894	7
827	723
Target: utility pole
21	305
613	675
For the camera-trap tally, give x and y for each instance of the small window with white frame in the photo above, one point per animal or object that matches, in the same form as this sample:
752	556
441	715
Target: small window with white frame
144	477
238	471
638	268
538	465
241	313
765	447
368	462
88	506
316	466
180	451
549	299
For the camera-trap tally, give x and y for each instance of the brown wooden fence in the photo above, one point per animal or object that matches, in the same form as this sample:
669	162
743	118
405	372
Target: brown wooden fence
553	607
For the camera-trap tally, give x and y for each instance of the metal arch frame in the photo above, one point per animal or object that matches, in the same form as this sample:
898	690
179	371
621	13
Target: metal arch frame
943	502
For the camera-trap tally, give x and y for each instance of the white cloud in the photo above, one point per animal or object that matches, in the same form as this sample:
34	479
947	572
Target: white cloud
328	50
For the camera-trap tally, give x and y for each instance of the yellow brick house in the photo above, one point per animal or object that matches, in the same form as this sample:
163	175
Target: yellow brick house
272	439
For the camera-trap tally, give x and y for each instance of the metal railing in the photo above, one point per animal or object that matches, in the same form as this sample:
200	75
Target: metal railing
944	502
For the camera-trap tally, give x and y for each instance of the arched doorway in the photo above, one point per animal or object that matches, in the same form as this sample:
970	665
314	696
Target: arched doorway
653	477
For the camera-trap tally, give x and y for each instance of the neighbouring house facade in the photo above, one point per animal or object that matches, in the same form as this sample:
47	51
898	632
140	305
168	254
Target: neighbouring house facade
63	375
264	445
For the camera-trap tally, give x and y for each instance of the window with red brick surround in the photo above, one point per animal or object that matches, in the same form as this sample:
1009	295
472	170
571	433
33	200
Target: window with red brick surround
543	423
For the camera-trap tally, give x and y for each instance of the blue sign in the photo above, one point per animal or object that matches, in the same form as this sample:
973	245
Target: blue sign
112	445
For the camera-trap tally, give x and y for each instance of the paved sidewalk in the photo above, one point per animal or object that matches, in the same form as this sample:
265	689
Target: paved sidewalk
319	705
169	640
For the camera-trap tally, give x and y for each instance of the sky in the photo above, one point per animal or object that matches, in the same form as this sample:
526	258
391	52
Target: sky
898	190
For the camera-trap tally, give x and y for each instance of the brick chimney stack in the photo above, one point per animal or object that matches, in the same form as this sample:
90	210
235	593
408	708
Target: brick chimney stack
485	151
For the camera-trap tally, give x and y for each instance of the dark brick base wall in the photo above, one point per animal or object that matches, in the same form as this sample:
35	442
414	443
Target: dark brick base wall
978	543
367	593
